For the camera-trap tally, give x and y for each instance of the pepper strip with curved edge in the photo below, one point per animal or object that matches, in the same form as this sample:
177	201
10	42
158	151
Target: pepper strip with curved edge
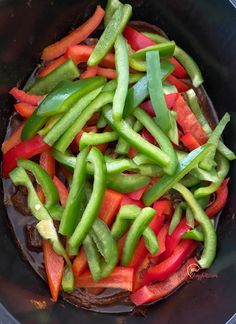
210	239
93	257
45	226
100	101
125	183
135	232
66	71
66	94
185	59
165	50
111	7
71	216
43	179
194	105
208	162
95	139
222	171
195	234
125	131
115	26
122	147
167	181
122	68
92	208
70	116
176	218
49	124
220	200
161	139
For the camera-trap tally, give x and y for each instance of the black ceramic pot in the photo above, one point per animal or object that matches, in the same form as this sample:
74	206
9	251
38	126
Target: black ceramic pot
207	30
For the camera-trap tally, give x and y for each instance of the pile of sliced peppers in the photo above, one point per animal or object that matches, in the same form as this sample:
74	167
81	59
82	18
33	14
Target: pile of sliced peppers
125	146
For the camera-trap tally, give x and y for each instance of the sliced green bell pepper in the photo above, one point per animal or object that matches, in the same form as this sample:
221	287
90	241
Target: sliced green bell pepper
125	183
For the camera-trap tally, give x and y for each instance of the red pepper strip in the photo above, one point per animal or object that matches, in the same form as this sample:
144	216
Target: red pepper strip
90	72
169	98
52	66
137	195
93	120
121	277
62	191
23	150
188	121
132	152
79	264
110	206
54	266
220	200
173	240
160	290
164	207
161	240
22	96
81	53
139	41
75	37
24	109
180	85
148	137
75	143
166	268
107	73
189	141
126	200
47	162
120	245
13	140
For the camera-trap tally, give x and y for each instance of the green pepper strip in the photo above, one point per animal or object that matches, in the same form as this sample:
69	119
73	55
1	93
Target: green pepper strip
49	124
194	234
122	68
141	159
135	232
111	7
184	58
175	220
100	101
125	183
115	27
68	280
156	92
101	123
112	84
167	182
66	71
45	226
71	216
43	179
194	105
173	132
124	130
168	88
68	119
122	146
165	50
139	65
161	139
95	138
56	212
150	241
209	233
208	162
222	171
189	217
66	94
107	268
189	181
92	208
93	257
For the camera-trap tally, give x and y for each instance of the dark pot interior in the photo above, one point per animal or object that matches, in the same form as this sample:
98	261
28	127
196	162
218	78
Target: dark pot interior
207	30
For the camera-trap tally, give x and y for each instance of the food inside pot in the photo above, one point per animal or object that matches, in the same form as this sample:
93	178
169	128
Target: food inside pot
116	170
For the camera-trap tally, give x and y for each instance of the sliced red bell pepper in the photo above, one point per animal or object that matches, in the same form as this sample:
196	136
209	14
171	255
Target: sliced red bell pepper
54	266
148	137
62	191
169	98
13	140
160	290
107	73
110	206
220	200
164	207
179	70
121	277
75	37
180	85
81	53
126	200
166	268
93	120
161	237
173	240
47	162
79	264
22	96
23	150
137	195
24	109
132	152
120	245
90	72
188	121
52	66
189	141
